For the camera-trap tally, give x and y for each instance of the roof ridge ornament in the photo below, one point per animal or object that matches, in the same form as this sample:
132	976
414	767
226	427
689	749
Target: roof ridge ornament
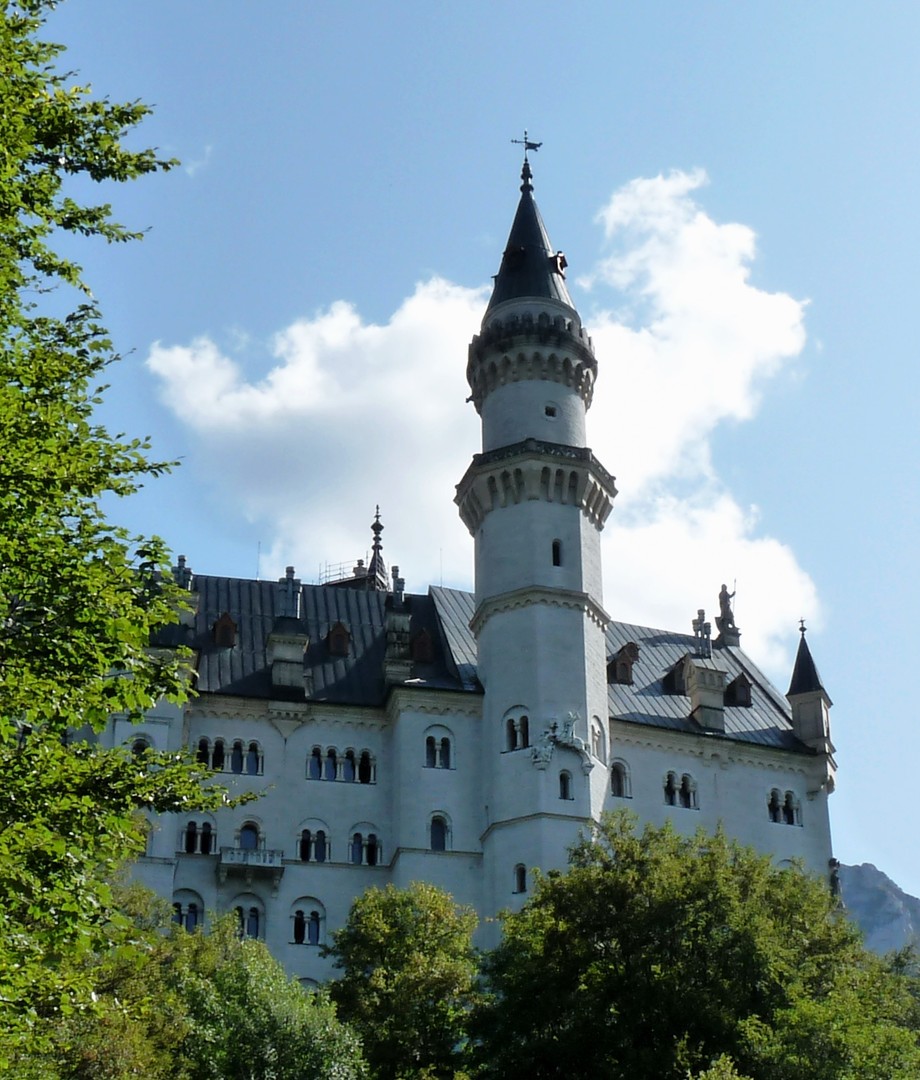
526	173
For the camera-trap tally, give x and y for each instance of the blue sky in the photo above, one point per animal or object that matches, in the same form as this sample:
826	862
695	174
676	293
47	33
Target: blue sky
734	187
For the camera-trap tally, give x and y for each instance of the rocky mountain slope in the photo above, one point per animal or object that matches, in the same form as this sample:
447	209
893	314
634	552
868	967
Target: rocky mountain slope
888	917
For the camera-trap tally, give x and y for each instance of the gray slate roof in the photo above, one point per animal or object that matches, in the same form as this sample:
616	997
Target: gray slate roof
528	266
255	606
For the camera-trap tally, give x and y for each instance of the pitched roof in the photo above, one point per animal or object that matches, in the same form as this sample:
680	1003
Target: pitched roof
357	678
805	677
530	267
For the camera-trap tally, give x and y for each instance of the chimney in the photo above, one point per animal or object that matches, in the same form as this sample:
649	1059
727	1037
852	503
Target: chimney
397	664
706	690
288	640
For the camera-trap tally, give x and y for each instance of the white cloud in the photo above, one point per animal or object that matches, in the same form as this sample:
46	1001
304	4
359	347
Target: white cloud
193	166
352	414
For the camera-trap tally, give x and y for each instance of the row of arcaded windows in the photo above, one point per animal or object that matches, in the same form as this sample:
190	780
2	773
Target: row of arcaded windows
784	808
313	844
681	790
238	757
307	916
350	766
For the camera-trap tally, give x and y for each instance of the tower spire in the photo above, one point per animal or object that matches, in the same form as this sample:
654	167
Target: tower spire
531	268
377	576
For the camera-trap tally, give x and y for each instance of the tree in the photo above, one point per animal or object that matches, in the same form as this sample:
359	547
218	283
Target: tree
662	956
172	1005
248	1020
80	599
408	979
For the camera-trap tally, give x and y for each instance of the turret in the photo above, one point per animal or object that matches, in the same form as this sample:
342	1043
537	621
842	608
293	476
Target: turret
811	705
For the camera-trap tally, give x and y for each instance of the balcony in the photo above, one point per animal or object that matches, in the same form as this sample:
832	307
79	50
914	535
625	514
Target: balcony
250	864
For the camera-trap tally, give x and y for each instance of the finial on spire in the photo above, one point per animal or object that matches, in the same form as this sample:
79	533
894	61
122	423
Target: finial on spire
377	577
802	627
526	173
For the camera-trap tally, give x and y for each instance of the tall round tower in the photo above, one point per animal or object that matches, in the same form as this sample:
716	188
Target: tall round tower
535	501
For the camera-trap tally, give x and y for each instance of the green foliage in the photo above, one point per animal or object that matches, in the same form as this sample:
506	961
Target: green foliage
176	1006
249	1021
655	954
408	979
79	598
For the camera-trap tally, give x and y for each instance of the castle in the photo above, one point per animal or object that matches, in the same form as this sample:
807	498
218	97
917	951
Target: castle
464	739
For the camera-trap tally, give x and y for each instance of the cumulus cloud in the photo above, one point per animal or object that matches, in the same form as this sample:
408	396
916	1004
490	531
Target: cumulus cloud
352	414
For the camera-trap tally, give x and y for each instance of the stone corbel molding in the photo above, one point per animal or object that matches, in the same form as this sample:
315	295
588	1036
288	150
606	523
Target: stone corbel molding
539	594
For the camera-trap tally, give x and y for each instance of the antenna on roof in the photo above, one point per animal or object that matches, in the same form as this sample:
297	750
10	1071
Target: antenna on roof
258	558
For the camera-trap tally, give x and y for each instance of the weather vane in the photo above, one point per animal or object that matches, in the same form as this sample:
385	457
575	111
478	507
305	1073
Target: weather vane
527	144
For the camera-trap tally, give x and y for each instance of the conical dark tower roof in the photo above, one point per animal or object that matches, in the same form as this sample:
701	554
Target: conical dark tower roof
805	677
530	267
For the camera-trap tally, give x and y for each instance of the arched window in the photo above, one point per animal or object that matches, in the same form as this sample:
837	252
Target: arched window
313	928
203	757
523	732
444	761
565	785
371	850
791	813
357	849
775	806
207	838
320	848
188	910
236	757
687	792
191	838
366	769
619	781
217	761
249	837
315	764
597	740
253	760
520	878
331	765
670	789
511	734
557	553
438	833
349	767
300	928
305	845
431	752
252	923
139	746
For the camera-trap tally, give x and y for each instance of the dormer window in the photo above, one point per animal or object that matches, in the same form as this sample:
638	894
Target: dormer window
422	647
338	640
620	665
224	632
738	691
675	680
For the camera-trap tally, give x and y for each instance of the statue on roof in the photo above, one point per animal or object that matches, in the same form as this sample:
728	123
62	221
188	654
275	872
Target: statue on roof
726	619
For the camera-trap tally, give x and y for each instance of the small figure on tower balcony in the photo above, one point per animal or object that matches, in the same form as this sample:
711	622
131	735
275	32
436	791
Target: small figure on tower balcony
729	634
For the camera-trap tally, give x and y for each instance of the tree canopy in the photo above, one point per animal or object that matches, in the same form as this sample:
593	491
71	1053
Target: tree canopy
80	599
657	955
172	1005
407	985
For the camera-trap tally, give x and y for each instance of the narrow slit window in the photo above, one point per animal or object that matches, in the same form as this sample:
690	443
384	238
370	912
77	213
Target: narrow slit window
557	553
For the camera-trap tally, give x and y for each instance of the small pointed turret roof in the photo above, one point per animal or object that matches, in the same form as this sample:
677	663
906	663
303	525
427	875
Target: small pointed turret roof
805	677
377	576
530	267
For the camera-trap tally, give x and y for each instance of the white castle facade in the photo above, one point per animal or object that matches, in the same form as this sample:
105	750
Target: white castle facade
465	739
